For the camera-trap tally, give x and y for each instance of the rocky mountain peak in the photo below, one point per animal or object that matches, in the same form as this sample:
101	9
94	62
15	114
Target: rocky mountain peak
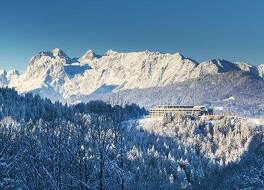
111	52
179	56
56	52
56	55
88	56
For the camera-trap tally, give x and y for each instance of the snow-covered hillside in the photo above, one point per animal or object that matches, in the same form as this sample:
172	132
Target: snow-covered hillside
54	75
99	146
236	93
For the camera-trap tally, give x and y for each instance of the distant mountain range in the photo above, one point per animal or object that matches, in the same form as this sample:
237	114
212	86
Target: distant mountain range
146	77
236	93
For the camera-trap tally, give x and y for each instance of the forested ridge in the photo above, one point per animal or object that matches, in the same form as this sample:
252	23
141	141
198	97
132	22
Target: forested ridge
32	107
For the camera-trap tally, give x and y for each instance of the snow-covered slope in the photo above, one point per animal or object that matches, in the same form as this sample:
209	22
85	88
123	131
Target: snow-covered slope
238	93
54	73
7	76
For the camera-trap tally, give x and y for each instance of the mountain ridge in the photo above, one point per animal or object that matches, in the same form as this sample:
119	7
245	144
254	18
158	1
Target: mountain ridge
53	72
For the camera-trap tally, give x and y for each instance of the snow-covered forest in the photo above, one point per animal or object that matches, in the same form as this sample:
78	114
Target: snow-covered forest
99	146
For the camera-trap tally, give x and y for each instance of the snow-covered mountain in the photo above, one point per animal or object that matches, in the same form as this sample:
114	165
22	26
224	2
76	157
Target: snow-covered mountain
54	75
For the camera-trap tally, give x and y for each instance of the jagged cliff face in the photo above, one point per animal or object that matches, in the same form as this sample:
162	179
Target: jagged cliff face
132	70
45	74
44	69
53	74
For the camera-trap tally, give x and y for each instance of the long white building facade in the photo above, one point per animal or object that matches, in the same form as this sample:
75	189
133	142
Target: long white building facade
160	111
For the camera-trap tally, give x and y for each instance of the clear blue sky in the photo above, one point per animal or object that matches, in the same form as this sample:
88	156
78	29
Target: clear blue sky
200	29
